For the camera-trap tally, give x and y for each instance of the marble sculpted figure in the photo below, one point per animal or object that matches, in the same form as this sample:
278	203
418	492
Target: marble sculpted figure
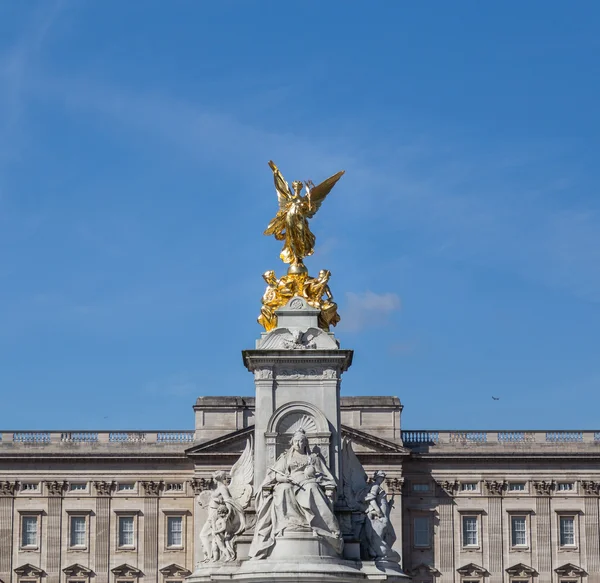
296	496
371	516
226	504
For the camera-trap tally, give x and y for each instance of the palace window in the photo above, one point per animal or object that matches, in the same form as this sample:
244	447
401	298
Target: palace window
470	531
174	531
567	531
29	531
516	487
126	486
421	532
78	533
30	486
518	531
468	486
566	486
174	487
420	487
126	532
77	486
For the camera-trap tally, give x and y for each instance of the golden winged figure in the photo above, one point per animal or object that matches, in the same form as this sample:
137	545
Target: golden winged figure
291	221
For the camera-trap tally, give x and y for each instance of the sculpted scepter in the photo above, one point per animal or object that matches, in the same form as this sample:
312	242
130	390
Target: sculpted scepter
291	221
290	225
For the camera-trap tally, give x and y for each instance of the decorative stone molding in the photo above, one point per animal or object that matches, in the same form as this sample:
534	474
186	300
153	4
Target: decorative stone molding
495	488
174	570
330	373
591	488
263	373
200	485
153	488
449	488
8	488
423	569
29	570
104	488
570	570
293	374
126	570
521	570
78	570
473	570
56	488
544	488
394	485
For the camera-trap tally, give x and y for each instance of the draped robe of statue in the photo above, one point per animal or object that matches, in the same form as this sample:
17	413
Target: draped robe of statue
300	504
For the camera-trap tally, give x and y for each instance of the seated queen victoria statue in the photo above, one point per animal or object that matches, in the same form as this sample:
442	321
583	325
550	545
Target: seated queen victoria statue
294	498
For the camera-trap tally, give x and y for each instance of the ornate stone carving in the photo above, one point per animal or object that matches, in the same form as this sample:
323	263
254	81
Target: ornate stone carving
495	488
570	570
174	570
56	488
591	488
77	570
226	504
473	570
199	485
263	373
8	488
449	488
394	485
299	340
544	488
371	509
127	571
329	373
521	570
153	488
104	488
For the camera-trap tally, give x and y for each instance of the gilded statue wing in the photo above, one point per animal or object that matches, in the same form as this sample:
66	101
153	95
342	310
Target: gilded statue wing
318	193
354	478
284	195
242	476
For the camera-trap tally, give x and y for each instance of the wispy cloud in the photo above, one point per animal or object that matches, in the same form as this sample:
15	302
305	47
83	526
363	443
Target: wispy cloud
368	309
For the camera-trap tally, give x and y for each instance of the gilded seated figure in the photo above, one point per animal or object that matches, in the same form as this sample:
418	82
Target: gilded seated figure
294	497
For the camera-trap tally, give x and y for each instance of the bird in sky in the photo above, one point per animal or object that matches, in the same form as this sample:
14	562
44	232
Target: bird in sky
495	398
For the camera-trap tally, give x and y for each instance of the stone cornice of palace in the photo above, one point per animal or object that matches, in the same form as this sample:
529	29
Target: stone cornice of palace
254	359
139	454
515	455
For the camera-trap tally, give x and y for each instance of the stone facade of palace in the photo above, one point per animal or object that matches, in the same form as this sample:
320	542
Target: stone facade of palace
119	507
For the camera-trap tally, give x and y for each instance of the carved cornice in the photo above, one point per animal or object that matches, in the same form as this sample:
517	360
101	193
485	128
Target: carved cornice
8	488
199	485
126	570
56	488
394	485
104	488
153	488
521	570
570	570
29	570
473	570
77	570
174	570
544	488
448	487
495	487
591	488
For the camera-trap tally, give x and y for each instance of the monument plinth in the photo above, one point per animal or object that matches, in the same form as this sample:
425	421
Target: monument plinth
297	504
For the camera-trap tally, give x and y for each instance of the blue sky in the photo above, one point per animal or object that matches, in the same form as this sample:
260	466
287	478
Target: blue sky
464	239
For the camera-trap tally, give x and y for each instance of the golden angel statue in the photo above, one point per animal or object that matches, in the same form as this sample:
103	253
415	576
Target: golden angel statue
291	221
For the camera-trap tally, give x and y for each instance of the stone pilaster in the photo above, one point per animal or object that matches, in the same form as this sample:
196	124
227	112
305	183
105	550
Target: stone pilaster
591	529
7	492
55	497
544	539
446	540
495	530
103	492
150	568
